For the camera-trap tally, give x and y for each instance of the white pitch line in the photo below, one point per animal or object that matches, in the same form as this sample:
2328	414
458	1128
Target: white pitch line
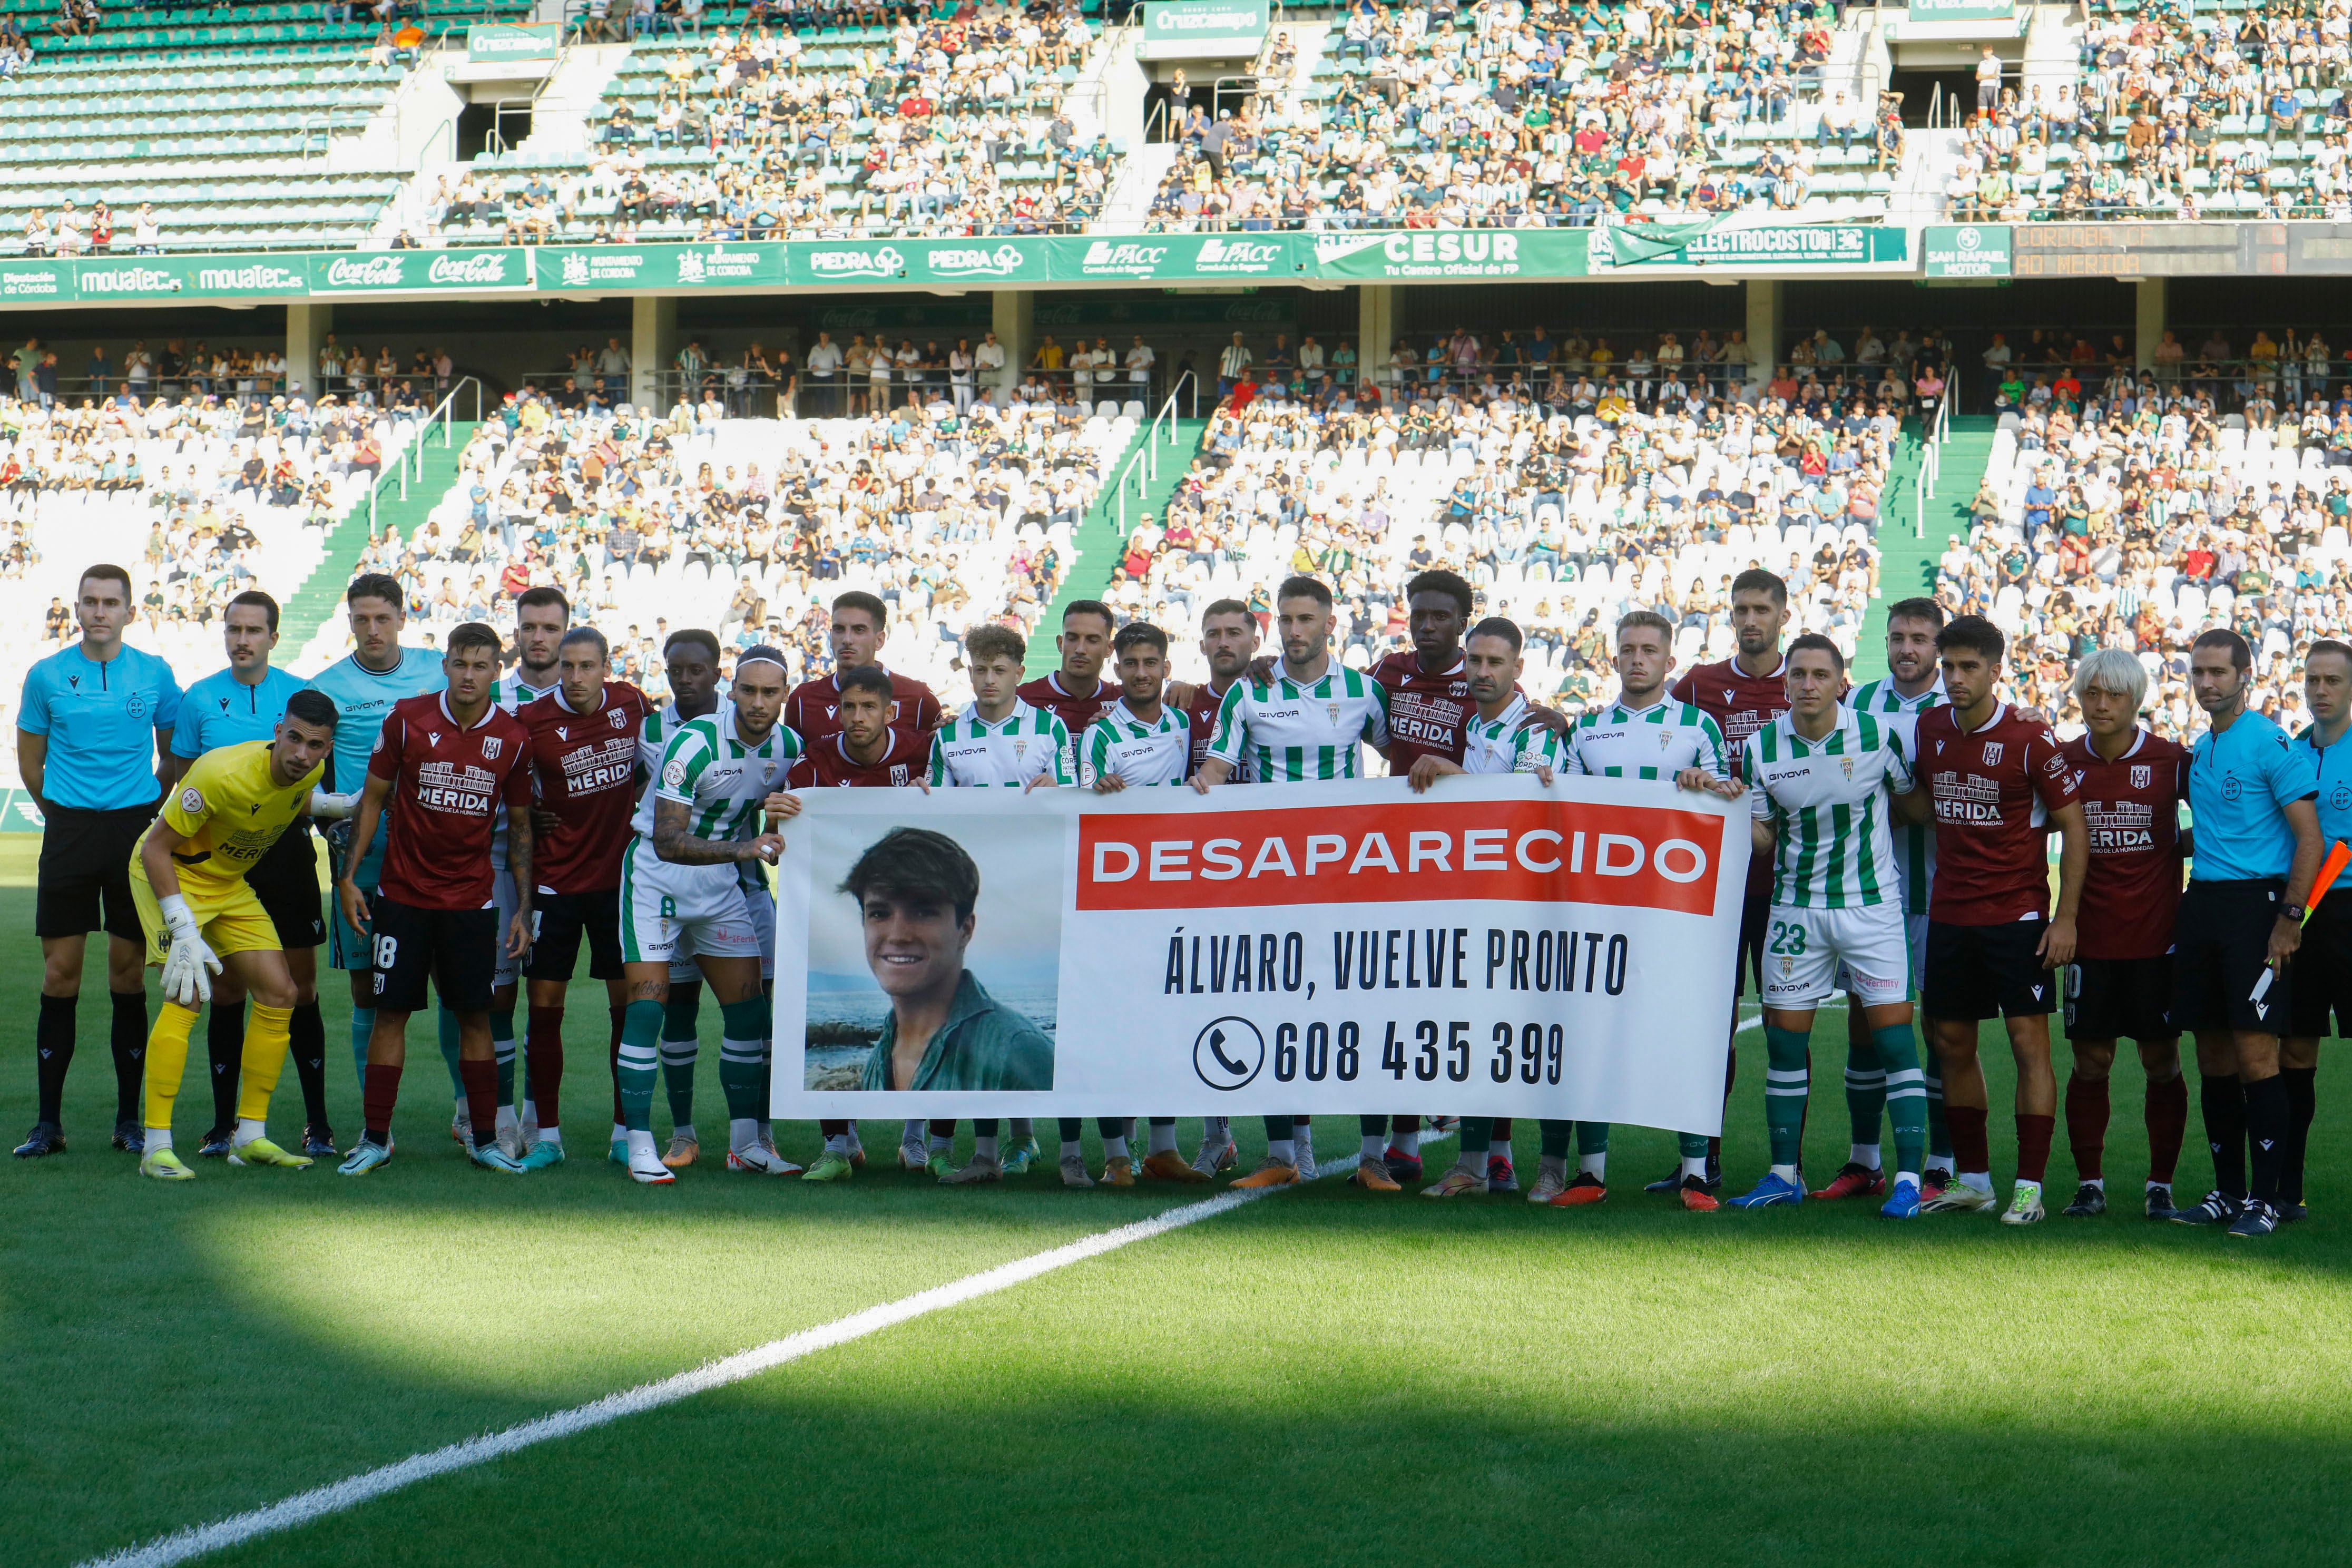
338	1497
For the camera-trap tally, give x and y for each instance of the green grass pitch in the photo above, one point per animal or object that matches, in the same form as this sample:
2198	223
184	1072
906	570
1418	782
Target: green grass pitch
1318	1377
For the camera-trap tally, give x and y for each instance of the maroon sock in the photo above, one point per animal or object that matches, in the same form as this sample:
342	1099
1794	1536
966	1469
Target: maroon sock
2033	1134
383	1092
2086	1124
1400	1125
833	1129
2167	1124
481	1081
1971	1150
544	1045
1502	1132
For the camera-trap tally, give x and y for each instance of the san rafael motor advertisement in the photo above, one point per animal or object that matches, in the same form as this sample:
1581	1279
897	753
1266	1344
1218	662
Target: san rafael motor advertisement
1493	947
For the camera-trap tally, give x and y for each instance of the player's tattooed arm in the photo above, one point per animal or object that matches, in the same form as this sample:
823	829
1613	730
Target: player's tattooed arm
521	843
673	843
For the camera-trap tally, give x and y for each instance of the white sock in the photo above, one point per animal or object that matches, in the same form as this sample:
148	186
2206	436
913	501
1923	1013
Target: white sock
1283	1150
838	1144
742	1132
914	1133
1980	1180
1499	1151
619	1133
1408	1143
1216	1130
1162	1138
508	1120
1072	1148
248	1129
1593	1166
684	1130
1863	1154
767	1133
1695	1166
1552	1165
528	1110
1375	1146
158	1139
641	1145
939	1143
551	1135
1473	1162
2098	1181
1910	1176
1115	1148
2022	1184
1786	1172
984	1145
2152	1185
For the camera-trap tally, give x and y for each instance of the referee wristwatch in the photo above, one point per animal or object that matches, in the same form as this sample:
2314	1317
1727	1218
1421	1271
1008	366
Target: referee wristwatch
2292	912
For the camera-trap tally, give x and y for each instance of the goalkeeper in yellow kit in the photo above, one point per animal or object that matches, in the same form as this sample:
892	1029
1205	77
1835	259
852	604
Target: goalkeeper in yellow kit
187	879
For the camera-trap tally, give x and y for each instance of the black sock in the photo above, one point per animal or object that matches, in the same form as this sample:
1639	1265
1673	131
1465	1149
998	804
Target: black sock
2224	1102
129	1039
2266	1123
224	1045
53	1045
2302	1105
306	1039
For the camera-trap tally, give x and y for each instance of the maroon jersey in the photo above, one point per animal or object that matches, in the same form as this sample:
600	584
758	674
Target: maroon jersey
828	764
1740	704
1994	789
1426	713
813	711
584	770
447	783
1201	713
1076	712
2133	808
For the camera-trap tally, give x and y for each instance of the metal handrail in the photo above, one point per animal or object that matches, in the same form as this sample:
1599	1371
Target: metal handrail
1147	453
1931	459
413	454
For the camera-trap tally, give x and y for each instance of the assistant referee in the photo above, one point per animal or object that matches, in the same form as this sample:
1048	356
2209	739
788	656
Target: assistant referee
93	737
228	708
2253	796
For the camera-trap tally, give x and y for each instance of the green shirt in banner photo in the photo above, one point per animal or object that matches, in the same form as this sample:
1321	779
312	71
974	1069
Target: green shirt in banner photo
982	1046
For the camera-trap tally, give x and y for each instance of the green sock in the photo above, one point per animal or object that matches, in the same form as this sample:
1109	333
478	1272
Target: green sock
1907	1092
362	1028
1592	1138
640	1064
1477	1135
1691	1145
1555	1137
741	1072
1939	1136
502	1050
449	1052
1865	1087
1785	1084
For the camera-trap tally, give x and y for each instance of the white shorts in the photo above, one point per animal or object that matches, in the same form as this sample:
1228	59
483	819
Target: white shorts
673	912
1810	954
502	897
1914	928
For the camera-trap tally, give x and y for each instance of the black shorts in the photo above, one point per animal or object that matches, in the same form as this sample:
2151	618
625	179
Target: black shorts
558	922
455	948
2323	970
285	880
1755	917
2221	945
2120	999
1975	972
86	864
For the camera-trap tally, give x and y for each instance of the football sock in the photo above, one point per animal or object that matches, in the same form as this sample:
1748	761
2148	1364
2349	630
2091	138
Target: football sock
1785	1171
1163	1136
1410	1143
983	1127
640	1065
1869	1156
481	1100
1785	1081
2033	1134
913	1132
612	1057
264	1057
1592	1138
157	1139
1500	1148
1500	1132
1073	1129
838	1135
1940	1132
2224	1102
1283	1150
2266	1126
1555	1135
2302	1105
544	1044
1730	1077
740	1065
1907	1095
1374	1127
446	1029
1278	1130
1695	1164
306	1042
941	1135
1477	1132
502	1051
677	1059
381	1093
1115	1148
1971	1148
983	1144
362	1029
167	1060
224	1052
1865	1090
742	1132
53	1042
1374	1145
1553	1166
129	1039
2167	1115
1024	1130
1213	1128
1692	1146
1072	1148
2086	1124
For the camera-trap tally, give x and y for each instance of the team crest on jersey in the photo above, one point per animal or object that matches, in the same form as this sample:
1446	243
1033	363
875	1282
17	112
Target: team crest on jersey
1666	739
620	720
1333	709
2142	775
1993	753
492	746
1846	763
1020	747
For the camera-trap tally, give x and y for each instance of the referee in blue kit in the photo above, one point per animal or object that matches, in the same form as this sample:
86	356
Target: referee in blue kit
93	744
2255	853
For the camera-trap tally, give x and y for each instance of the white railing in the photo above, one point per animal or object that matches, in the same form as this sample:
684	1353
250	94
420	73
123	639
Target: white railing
1931	454
1143	468
413	455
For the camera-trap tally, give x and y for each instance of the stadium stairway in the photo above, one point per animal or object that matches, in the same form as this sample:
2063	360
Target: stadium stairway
1907	561
1095	547
321	595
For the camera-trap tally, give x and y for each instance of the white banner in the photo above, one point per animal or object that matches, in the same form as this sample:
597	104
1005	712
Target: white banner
1490	948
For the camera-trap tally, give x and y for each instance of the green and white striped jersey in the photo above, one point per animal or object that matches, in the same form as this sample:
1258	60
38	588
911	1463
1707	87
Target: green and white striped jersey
1508	743
1826	801
1121	744
1653	743
1915	842
511	692
968	751
710	769
1289	733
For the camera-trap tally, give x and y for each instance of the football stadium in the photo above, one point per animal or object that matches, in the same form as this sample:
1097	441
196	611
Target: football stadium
749	568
